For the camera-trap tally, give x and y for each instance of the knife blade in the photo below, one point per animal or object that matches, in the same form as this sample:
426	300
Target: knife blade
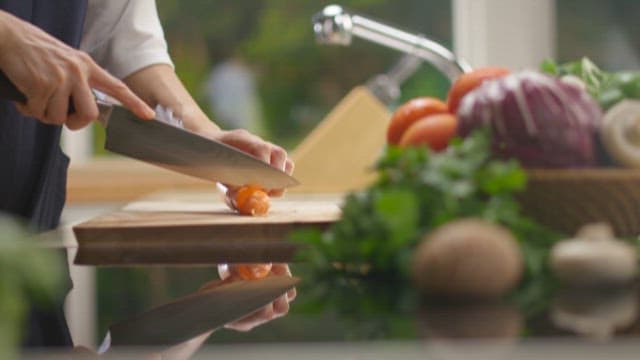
172	147
195	314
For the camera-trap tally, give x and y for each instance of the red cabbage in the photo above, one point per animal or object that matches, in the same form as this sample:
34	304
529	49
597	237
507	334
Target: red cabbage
538	119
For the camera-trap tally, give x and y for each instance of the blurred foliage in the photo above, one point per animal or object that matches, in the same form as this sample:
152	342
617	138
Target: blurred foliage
28	274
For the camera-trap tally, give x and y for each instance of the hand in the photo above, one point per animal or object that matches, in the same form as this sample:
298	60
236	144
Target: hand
270	153
50	73
158	84
278	308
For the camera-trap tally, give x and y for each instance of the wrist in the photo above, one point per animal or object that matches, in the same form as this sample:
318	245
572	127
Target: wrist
194	118
159	85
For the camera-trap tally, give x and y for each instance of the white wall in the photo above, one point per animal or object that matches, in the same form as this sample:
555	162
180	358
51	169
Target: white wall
513	33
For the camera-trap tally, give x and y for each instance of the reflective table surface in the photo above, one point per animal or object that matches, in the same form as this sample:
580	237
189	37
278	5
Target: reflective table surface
334	316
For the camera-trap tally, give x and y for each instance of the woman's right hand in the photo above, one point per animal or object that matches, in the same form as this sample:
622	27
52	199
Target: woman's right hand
50	73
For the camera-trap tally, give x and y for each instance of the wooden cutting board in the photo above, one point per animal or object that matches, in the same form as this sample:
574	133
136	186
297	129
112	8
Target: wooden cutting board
197	228
340	153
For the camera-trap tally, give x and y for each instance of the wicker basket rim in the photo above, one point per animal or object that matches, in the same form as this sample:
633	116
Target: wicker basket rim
584	174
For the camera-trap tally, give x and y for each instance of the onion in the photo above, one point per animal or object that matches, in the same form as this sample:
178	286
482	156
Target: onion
538	119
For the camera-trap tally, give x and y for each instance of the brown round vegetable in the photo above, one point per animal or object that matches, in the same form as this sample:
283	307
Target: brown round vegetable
468	258
474	320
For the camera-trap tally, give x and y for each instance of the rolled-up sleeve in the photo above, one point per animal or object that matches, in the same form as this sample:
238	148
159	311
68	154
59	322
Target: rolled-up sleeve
124	36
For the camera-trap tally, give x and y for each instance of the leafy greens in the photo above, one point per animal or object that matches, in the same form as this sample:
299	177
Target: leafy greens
607	88
415	192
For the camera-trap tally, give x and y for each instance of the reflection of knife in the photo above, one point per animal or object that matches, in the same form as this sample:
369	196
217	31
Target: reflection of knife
198	313
173	147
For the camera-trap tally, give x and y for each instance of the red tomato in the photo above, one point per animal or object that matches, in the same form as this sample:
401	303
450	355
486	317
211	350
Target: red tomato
411	111
434	131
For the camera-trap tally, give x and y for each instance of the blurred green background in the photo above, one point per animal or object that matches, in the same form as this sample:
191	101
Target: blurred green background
297	80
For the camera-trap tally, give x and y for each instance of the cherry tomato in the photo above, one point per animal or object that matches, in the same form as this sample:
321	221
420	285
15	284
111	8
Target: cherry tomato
244	271
411	111
435	131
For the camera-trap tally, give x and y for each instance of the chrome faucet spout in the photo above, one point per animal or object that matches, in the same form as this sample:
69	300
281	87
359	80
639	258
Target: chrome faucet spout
334	25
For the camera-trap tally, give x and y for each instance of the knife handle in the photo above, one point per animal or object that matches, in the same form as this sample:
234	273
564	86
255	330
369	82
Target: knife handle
10	92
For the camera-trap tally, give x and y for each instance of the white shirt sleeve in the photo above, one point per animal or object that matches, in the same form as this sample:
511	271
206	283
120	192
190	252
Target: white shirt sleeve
124	36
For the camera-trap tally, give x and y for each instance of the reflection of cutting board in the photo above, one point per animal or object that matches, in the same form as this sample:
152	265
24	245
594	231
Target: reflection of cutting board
339	154
198	228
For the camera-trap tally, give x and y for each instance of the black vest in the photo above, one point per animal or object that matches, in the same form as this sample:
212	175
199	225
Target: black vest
33	169
32	166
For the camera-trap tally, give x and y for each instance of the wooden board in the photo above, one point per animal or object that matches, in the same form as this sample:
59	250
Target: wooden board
198	228
339	154
118	179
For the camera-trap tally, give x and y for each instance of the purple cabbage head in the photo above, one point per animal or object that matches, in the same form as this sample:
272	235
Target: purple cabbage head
541	120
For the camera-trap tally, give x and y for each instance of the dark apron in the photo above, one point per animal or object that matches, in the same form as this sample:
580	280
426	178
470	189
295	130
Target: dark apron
32	166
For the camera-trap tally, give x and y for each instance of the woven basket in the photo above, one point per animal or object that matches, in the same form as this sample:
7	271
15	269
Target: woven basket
565	199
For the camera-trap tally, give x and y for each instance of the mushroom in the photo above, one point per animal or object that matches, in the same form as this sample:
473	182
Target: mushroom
468	258
594	313
594	258
620	133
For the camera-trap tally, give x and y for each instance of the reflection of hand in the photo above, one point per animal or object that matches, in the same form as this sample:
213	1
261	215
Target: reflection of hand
49	73
278	308
270	153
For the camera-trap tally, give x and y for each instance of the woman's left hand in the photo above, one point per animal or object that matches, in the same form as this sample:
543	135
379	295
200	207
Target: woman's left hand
255	146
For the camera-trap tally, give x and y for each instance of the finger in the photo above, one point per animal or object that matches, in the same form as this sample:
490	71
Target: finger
262	151
289	166
280	269
276	192
278	160
249	143
281	306
102	81
58	107
291	294
283	270
36	107
252	320
278	157
40	94
22	109
85	106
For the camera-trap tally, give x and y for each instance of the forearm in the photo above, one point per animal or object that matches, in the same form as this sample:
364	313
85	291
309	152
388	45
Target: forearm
159	84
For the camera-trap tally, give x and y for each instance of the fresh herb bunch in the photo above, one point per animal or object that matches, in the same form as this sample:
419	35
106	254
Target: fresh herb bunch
607	88
416	191
28	273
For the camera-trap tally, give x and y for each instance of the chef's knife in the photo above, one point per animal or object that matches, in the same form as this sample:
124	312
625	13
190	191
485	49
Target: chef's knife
195	314
165	143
